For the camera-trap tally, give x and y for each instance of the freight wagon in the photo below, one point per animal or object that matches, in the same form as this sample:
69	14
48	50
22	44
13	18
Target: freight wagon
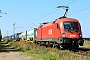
28	36
17	36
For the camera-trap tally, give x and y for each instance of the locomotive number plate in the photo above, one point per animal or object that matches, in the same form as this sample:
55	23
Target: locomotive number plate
50	31
72	35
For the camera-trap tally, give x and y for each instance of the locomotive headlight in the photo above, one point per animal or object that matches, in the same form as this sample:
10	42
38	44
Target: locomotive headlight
63	35
80	35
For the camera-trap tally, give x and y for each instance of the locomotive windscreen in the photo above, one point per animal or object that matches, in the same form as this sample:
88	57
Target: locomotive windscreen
71	26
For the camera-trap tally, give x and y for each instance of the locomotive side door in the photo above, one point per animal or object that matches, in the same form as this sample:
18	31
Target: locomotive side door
57	33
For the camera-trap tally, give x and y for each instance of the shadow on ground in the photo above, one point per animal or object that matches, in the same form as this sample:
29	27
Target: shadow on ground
6	48
84	49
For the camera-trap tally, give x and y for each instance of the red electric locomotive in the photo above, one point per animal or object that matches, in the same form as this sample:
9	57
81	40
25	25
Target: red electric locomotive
63	32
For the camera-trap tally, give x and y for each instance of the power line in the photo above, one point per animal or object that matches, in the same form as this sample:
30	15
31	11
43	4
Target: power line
80	10
71	2
44	16
14	24
53	11
35	25
55	8
70	14
48	14
18	26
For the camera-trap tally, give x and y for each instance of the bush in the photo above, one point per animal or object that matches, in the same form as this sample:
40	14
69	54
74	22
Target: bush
6	41
1	47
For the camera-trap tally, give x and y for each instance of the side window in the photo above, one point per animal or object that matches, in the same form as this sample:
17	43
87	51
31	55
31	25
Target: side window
58	27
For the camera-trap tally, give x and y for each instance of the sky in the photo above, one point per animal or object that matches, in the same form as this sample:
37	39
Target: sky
28	14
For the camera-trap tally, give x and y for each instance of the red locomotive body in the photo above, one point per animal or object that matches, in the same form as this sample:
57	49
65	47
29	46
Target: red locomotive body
63	32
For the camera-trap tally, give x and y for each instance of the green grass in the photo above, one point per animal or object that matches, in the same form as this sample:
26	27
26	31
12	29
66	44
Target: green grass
2	47
15	46
42	53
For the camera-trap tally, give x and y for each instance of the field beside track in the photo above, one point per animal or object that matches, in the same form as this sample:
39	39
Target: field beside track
86	44
42	53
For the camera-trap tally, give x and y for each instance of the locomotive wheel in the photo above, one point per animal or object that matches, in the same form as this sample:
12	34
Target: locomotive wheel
40	44
53	46
60	46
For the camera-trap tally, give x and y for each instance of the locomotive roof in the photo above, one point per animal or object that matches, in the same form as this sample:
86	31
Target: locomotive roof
69	19
59	20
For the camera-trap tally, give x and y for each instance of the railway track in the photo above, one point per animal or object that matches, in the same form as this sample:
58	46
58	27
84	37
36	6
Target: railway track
79	51
82	51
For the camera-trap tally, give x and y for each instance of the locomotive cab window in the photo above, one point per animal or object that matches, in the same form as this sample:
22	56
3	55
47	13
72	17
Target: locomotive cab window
57	25
71	26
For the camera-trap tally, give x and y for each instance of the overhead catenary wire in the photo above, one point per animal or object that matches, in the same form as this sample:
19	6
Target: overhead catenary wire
52	12
48	14
19	26
55	10
58	9
71	2
54	7
80	11
44	16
